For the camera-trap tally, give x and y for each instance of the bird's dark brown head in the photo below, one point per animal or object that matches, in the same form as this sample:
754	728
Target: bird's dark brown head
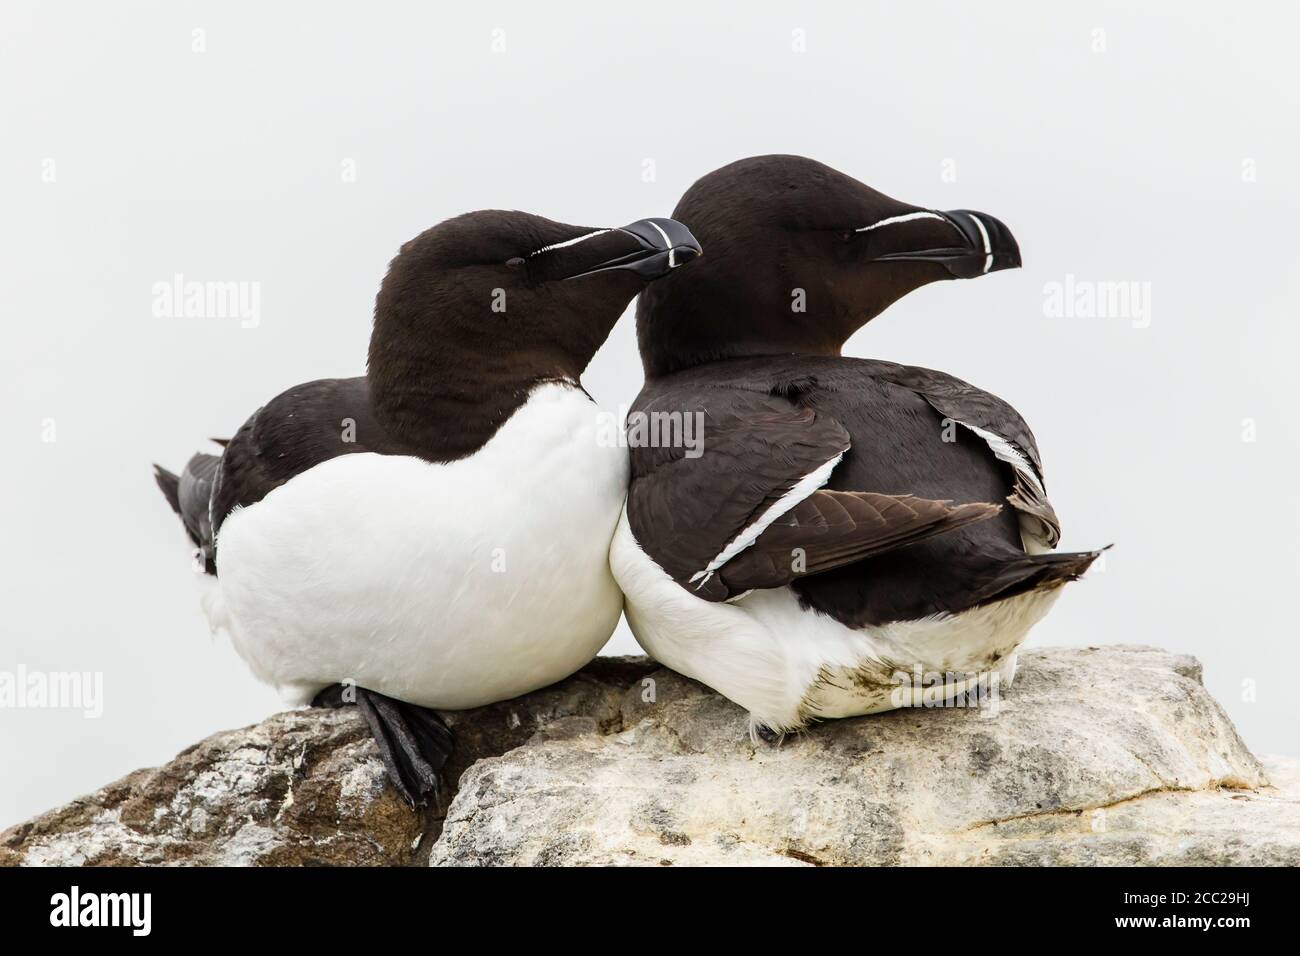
513	290
477	310
800	256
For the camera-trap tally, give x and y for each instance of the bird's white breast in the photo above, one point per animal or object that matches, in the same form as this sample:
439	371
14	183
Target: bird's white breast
446	585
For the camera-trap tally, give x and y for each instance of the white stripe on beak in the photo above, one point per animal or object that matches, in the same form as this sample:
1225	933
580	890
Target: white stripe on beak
672	260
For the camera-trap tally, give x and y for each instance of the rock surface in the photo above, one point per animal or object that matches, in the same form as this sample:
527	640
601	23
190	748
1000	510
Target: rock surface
1113	755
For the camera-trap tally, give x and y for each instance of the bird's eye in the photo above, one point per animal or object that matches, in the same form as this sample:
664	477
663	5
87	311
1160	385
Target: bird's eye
515	263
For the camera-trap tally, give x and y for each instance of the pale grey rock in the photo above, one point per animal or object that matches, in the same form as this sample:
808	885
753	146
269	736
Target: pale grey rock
1113	755
301	788
1107	755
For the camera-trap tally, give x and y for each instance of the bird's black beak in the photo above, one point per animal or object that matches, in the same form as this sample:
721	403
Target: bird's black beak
664	245
983	245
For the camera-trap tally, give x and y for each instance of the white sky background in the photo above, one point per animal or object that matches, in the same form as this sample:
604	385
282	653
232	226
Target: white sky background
1121	165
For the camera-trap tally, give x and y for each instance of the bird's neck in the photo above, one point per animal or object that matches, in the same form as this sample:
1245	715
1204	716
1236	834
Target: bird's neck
446	400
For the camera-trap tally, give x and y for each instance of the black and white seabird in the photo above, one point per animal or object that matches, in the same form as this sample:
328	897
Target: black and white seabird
845	521
435	534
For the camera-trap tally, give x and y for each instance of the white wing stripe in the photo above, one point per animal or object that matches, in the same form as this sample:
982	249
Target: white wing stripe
1003	450
804	487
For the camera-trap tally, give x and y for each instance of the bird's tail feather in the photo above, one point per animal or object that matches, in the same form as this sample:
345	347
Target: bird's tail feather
1037	572
190	494
169	484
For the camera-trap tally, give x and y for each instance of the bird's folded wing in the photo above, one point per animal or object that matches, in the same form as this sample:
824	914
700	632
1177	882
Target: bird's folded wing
744	506
1006	434
833	528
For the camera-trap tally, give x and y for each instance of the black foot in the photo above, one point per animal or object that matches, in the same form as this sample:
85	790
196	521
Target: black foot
332	697
413	741
769	735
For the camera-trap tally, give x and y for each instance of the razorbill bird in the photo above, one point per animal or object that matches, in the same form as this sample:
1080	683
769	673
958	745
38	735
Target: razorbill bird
845	526
435	533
